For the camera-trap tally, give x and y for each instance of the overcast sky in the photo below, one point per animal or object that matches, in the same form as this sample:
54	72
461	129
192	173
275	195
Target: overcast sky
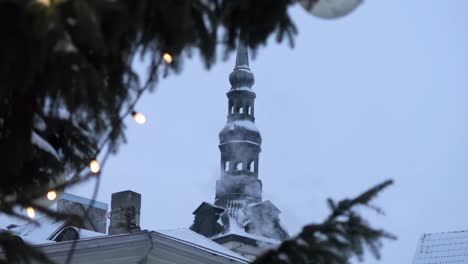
379	94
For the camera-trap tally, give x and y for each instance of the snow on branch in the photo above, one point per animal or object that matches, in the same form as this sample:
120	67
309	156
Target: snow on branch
41	143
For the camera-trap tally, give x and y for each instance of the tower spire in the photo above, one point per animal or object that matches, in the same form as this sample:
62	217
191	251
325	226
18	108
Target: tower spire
241	76
242	57
239	140
238	205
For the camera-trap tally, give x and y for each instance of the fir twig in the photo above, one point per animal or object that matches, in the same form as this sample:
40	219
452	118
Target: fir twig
344	234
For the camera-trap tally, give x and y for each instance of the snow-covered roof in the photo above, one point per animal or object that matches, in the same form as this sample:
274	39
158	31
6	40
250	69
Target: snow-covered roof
442	248
173	246
233	228
242	233
206	205
44	230
189	237
247	124
37	231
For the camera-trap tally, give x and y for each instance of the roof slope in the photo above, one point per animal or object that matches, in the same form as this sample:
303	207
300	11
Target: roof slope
174	246
41	232
192	238
442	248
45	229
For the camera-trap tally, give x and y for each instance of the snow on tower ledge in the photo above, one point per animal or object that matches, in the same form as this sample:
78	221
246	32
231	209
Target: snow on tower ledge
245	124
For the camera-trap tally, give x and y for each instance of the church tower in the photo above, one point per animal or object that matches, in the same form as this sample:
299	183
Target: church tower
239	218
240	140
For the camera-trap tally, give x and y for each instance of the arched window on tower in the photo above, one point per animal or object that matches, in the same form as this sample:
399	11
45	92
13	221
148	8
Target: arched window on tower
249	110
232	109
252	166
226	166
239	166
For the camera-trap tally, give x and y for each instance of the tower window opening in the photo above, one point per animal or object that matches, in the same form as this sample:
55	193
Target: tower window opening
226	166
239	166
252	166
249	110
241	110
232	109
238	109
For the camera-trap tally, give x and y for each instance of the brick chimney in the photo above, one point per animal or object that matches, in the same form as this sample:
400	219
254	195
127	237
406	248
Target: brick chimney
125	212
93	213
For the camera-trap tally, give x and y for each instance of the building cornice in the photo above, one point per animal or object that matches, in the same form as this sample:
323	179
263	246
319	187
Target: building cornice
153	246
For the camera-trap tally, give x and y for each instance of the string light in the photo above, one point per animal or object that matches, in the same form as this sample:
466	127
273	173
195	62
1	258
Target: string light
167	58
139	117
44	2
51	195
94	166
31	212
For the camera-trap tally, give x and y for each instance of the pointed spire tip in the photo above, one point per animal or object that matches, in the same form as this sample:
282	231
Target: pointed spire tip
242	57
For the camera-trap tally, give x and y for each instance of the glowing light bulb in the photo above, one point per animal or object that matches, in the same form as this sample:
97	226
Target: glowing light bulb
139	118
167	58
94	166
51	195
44	2
31	212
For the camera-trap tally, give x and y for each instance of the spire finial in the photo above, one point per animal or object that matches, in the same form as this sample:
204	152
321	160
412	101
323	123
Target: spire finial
241	76
242	58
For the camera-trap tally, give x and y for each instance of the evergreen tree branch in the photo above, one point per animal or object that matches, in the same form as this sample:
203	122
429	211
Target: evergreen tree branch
342	235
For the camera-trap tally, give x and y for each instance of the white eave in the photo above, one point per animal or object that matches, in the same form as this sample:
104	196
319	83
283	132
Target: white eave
155	247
